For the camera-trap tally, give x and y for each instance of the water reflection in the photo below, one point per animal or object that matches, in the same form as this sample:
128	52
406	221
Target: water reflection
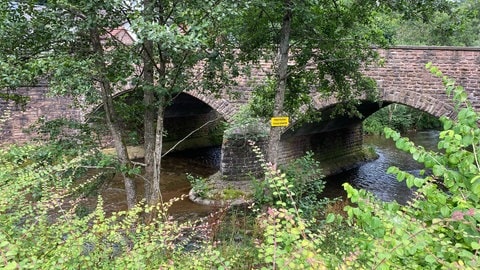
372	176
173	184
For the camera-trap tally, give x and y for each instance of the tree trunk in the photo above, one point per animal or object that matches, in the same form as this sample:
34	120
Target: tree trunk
112	119
282	73
149	104
153	133
155	195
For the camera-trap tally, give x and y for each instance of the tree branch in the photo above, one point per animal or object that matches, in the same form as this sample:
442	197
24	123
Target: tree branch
190	134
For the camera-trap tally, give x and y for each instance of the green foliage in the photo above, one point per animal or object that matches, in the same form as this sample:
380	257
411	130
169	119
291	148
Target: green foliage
298	185
202	186
293	240
232	193
83	50
454	24
332	39
58	232
401	118
245	125
51	155
207	189
439	227
287	244
67	134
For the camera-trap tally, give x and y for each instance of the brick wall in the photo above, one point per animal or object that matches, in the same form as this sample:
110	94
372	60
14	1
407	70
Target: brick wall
402	77
40	105
293	148
239	162
337	143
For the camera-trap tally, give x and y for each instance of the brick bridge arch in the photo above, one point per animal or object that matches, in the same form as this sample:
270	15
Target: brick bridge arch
402	78
191	120
223	106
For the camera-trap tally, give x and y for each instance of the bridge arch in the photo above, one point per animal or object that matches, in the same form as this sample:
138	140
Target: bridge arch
222	105
430	104
402	78
189	121
337	140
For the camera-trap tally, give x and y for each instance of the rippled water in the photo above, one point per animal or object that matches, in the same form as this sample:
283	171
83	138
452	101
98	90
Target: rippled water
372	176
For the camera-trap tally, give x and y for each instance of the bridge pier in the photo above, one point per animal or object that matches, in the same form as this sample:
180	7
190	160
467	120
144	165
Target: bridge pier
337	150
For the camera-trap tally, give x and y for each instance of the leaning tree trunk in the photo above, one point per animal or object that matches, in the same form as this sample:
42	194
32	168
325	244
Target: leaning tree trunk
112	118
282	73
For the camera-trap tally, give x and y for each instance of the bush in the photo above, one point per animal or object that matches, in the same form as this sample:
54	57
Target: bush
55	231
438	228
300	184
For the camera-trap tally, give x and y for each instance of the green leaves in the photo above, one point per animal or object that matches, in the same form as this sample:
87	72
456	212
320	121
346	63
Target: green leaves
437	22
439	226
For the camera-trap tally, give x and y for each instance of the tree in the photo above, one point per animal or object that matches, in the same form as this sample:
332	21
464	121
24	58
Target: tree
181	51
454	25
284	46
64	43
317	47
73	46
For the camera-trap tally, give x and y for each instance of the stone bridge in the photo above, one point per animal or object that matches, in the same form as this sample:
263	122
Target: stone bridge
401	79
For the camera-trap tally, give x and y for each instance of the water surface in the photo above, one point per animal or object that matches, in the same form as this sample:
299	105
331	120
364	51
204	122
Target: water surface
372	176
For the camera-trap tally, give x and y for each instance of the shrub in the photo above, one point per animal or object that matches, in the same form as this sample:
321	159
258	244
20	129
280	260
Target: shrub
200	185
55	231
438	228
302	178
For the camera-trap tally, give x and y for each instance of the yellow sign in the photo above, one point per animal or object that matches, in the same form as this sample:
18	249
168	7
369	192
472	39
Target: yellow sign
279	121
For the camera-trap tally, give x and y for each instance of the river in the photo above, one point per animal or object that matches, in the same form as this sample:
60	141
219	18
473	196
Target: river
372	176
174	184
